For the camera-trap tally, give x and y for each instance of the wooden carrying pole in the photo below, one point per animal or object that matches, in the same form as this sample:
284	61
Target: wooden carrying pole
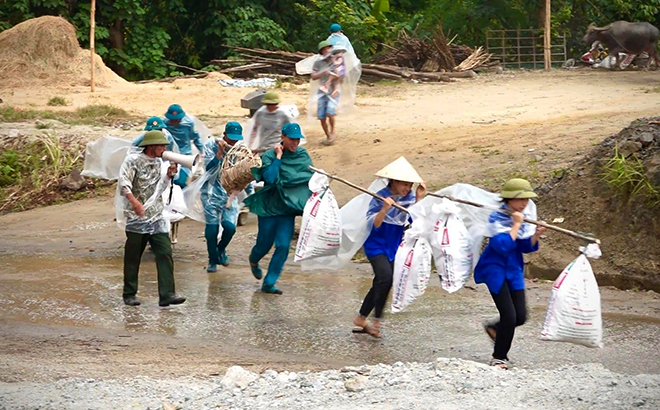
532	221
547	49
359	188
92	26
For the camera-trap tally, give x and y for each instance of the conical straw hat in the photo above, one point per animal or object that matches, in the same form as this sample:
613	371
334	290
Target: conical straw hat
401	170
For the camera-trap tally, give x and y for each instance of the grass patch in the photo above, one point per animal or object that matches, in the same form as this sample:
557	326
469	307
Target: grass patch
89	115
627	177
653	90
58	102
30	173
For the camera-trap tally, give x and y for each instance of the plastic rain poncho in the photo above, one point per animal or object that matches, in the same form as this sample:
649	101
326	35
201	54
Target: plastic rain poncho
146	179
184	133
104	157
476	220
348	87
264	139
208	191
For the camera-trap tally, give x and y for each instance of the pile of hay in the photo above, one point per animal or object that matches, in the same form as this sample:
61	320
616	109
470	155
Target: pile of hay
45	52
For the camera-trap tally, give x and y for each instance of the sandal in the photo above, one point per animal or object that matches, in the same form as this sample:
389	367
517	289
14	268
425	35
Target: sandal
360	323
499	363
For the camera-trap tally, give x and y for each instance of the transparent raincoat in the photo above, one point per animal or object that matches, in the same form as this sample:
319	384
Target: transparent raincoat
352	68
146	178
256	142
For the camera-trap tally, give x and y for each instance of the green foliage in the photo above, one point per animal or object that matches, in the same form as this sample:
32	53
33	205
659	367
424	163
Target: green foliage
58	102
136	37
627	177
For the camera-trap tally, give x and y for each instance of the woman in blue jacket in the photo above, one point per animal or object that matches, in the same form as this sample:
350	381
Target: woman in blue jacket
501	265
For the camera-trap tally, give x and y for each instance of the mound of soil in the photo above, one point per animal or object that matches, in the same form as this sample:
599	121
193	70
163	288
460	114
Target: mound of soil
45	52
628	228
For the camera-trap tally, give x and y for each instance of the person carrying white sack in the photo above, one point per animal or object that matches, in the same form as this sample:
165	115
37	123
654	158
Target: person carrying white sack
385	237
501	265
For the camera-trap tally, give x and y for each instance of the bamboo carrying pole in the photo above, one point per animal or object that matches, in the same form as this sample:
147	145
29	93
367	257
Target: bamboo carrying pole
92	26
463	201
359	188
547	55
532	221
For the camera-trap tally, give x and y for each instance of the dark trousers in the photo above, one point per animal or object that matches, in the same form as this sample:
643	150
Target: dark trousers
215	248
162	247
380	289
513	313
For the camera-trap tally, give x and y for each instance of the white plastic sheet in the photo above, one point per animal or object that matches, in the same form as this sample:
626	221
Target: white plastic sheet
574	313
104	157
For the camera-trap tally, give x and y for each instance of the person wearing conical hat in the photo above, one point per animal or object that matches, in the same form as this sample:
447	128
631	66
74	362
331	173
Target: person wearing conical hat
157	124
268	123
141	190
326	109
182	128
501	265
386	235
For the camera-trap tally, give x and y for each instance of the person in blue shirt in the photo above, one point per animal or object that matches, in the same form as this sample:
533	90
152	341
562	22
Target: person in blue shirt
157	124
501	265
385	237
182	128
214	198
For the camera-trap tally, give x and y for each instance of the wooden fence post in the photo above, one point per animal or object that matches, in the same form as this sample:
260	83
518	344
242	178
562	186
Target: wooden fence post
546	37
92	26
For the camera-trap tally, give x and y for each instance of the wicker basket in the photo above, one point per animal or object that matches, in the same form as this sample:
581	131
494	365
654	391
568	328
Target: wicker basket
236	174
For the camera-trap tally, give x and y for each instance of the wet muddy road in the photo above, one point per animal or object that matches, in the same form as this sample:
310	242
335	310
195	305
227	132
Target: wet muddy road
65	317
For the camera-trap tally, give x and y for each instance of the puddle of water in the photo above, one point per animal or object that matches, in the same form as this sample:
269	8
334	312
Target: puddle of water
313	317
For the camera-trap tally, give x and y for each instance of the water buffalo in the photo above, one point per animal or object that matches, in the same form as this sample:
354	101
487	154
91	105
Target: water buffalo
625	37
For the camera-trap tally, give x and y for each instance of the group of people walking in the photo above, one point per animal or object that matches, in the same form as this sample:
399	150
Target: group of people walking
285	175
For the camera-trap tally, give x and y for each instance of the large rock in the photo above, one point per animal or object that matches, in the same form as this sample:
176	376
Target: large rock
74	181
237	376
646	139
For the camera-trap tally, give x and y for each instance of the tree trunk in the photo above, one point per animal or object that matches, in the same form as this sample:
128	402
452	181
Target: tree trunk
116	37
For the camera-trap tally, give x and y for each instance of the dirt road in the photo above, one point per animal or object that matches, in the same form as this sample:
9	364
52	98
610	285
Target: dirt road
60	266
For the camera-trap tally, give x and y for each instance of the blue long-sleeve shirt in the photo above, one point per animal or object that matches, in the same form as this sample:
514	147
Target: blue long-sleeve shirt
503	260
387	237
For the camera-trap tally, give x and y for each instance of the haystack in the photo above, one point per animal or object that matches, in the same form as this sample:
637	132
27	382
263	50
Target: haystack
45	52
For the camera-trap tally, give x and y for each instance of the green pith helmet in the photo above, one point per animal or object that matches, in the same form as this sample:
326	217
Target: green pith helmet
154	138
271	97
517	188
323	44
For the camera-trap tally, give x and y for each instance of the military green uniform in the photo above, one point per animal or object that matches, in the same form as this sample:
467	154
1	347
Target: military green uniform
141	176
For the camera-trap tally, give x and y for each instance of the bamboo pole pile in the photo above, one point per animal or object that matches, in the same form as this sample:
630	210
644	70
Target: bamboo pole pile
435	54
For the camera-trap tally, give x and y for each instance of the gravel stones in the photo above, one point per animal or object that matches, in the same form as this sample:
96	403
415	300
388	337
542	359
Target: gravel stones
446	383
